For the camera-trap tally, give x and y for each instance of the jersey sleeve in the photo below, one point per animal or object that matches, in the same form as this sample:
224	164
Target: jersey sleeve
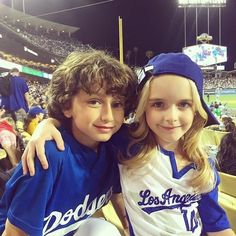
121	139
113	167
213	216
117	185
26	197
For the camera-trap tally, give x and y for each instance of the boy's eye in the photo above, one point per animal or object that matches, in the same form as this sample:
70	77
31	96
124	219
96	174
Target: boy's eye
94	102
118	104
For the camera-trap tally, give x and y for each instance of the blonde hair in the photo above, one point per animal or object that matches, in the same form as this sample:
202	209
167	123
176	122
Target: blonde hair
143	138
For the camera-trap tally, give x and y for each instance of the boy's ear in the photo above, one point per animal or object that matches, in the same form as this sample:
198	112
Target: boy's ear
67	113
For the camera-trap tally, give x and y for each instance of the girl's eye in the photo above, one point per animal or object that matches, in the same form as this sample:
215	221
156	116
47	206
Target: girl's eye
185	105
158	104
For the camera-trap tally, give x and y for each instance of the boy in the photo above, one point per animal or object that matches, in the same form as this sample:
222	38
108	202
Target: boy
90	94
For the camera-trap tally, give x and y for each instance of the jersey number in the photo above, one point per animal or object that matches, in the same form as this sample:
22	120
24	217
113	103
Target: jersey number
190	220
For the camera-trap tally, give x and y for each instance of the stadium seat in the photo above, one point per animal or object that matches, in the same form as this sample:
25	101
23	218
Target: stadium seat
208	137
227	197
108	212
212	137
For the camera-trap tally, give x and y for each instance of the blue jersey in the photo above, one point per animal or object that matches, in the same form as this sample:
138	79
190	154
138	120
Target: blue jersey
56	201
17	100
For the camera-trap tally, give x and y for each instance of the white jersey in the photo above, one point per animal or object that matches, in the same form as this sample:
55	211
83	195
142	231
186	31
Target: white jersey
158	199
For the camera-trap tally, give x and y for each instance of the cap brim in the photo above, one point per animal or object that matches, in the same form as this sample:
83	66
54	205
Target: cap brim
212	120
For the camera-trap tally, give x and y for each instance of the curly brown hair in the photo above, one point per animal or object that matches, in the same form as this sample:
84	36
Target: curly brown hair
90	70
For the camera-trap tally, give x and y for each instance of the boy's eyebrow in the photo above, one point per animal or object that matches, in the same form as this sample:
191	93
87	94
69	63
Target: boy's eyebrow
101	94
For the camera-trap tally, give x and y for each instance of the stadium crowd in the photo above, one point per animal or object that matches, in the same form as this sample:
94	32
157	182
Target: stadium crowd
19	127
223	82
24	62
57	46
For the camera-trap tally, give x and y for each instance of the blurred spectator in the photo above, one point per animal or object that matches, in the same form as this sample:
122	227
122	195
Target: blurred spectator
35	115
217	111
230	127
17	103
8	138
226	119
226	155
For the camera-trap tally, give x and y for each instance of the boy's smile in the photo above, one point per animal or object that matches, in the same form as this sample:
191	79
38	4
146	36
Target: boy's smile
103	128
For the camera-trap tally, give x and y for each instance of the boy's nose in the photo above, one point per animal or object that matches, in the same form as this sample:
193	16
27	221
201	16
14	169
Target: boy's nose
107	113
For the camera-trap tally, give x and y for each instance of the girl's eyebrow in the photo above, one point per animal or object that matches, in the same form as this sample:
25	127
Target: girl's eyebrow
186	100
156	99
162	99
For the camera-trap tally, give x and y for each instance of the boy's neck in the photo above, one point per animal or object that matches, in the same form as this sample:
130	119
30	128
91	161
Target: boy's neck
84	141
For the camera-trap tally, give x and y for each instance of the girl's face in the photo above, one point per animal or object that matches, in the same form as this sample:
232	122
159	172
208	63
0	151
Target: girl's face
170	109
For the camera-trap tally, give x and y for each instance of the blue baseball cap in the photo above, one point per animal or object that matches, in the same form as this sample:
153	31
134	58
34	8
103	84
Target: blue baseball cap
177	64
35	110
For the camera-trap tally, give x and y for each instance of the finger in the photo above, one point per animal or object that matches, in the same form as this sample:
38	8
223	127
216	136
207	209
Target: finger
30	163
30	158
40	150
23	161
58	139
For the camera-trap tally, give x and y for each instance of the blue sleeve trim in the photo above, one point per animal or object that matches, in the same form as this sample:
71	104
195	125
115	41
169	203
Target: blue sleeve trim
29	229
213	216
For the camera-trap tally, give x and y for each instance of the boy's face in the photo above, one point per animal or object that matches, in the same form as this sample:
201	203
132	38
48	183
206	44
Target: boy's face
95	117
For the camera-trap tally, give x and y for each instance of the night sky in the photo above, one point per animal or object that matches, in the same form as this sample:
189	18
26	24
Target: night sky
155	25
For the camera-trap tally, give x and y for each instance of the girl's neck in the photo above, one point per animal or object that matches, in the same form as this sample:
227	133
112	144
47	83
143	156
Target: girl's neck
174	147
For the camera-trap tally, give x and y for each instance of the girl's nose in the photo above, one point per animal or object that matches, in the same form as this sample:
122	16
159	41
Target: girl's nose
171	114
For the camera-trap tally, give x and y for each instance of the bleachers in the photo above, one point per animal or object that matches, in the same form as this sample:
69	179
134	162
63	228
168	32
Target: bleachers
212	137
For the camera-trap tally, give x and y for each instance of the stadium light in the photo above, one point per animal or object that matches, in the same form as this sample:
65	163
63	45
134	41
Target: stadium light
201	3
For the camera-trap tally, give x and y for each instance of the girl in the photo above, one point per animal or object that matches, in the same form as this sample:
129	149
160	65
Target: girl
168	183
